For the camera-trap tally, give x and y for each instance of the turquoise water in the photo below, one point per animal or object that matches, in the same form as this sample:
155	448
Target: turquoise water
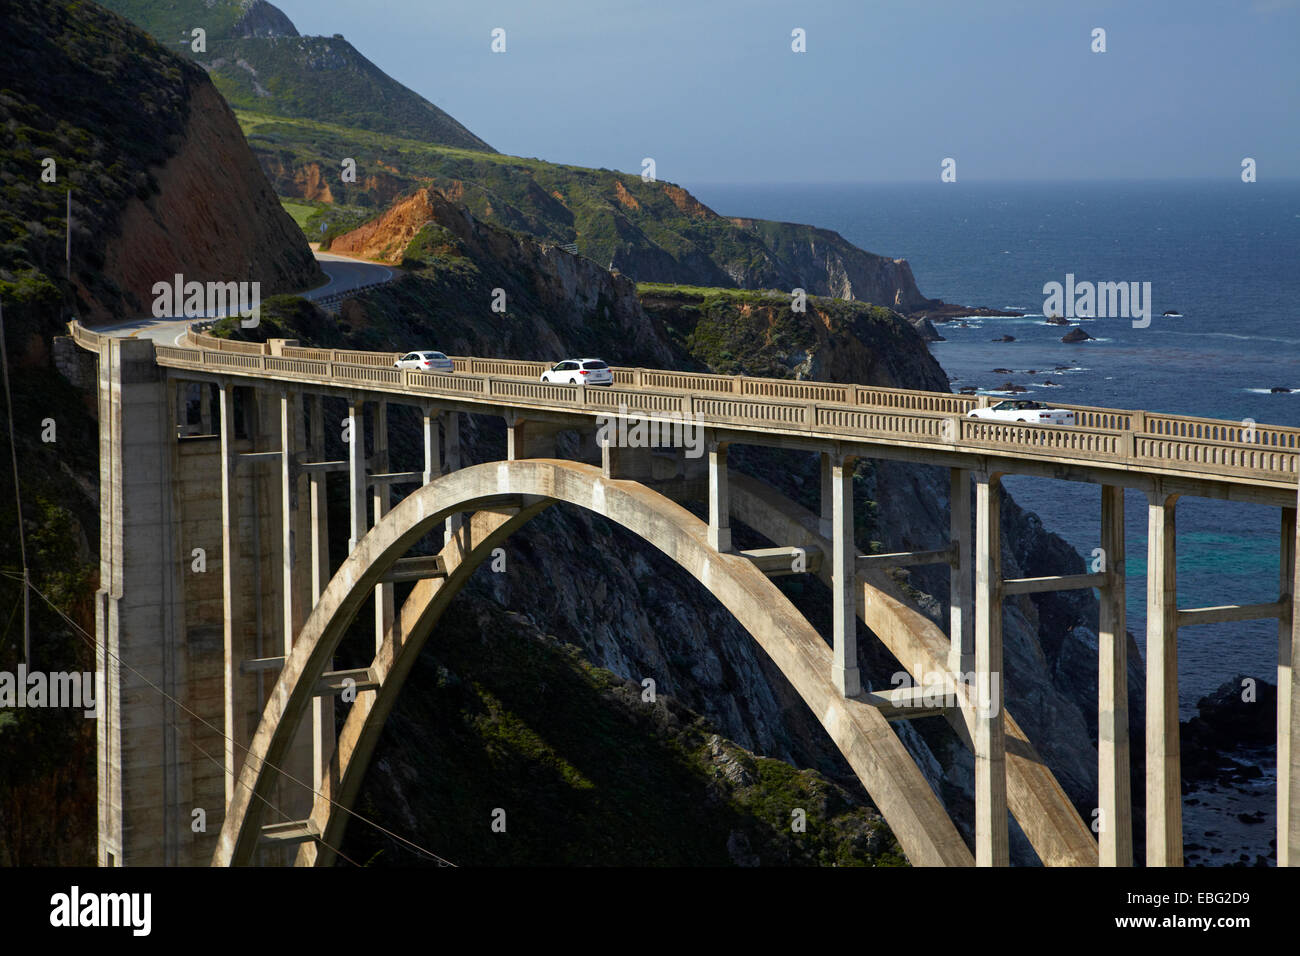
1224	254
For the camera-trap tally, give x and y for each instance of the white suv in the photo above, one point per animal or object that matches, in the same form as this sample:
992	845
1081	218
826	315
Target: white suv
588	371
426	362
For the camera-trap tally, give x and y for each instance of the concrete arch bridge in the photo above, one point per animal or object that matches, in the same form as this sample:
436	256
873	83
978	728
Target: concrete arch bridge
188	655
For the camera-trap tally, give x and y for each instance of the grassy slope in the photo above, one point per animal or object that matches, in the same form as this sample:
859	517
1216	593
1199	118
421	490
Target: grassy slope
318	77
170	22
300	211
606	212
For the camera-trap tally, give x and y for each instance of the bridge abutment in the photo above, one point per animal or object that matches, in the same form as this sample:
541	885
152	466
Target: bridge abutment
143	769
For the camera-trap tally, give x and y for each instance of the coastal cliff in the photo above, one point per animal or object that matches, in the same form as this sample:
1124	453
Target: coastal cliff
161	178
214	217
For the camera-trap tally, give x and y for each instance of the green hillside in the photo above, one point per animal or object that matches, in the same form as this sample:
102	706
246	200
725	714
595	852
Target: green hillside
170	21
653	231
258	60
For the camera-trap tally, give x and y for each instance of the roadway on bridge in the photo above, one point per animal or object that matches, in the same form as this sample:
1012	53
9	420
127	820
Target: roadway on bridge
344	272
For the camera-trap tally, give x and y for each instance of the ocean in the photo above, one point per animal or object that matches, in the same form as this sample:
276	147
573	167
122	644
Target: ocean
1225	254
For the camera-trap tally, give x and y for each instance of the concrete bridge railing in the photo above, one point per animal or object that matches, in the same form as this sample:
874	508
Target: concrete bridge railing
1275	453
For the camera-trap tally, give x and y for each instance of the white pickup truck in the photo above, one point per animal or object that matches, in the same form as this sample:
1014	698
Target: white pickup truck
1021	410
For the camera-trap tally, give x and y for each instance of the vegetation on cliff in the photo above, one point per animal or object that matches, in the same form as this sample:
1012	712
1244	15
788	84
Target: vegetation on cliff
258	61
61	61
587	770
92	104
652	231
759	332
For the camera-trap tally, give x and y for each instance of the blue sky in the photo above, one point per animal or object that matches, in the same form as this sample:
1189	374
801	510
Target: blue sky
711	90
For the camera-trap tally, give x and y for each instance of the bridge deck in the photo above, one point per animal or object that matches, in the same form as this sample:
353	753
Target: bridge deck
1196	456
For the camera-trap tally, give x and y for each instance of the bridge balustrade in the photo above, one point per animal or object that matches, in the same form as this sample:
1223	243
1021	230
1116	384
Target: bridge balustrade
1216	447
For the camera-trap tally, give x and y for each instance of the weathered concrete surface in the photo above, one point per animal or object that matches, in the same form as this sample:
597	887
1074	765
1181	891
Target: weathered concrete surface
142	772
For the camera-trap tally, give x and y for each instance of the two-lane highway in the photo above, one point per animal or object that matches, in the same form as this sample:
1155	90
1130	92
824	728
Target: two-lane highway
344	272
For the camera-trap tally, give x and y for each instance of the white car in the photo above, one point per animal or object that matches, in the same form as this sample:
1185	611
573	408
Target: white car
1021	410
587	371
425	362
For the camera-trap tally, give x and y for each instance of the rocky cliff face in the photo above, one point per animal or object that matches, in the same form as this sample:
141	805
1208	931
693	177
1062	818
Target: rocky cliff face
385	239
161	177
214	217
261	19
555	303
831	266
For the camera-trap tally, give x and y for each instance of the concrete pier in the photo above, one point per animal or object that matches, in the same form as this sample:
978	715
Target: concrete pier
992	847
1115	836
1164	784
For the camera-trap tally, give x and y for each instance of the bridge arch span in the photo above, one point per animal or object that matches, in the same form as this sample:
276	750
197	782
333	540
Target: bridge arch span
518	490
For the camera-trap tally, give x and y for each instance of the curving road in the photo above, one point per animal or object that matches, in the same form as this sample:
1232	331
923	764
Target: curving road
347	274
344	272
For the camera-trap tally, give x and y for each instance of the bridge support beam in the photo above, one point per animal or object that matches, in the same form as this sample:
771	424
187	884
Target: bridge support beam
432	450
356	472
719	500
844	575
205	408
231	591
290	417
322	710
530	439
826	523
1288	697
381	498
1164	788
450	463
992	846
1114	800
961	600
316	485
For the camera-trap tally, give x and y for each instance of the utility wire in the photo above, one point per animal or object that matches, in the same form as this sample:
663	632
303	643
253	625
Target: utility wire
86	636
18	498
285	816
